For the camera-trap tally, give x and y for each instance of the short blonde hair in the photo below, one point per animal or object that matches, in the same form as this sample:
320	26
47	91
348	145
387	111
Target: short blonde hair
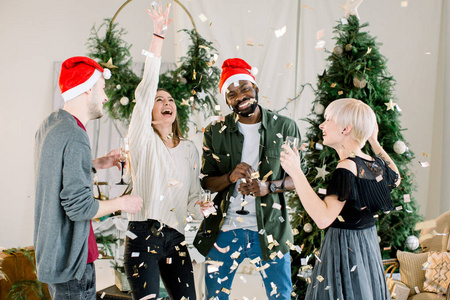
353	112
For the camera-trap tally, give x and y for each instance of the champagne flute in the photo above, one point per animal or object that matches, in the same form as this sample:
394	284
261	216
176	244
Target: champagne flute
242	211
205	199
124	148
292	142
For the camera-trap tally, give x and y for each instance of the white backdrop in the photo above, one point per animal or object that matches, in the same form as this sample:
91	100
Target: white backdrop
35	34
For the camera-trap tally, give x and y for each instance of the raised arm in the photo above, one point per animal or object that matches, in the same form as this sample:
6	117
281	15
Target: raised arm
140	129
379	151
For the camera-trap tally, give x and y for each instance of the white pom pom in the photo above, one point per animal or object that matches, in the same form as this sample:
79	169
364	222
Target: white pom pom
107	73
307	227
319	108
124	101
254	71
400	147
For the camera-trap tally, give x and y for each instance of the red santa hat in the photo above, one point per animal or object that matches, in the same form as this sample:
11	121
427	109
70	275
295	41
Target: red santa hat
78	75
233	70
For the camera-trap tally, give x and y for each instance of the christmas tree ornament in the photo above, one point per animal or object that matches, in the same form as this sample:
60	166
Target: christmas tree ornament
348	47
109	64
124	101
351	8
338	50
400	147
319	109
307	227
390	105
321	172
359	83
412	242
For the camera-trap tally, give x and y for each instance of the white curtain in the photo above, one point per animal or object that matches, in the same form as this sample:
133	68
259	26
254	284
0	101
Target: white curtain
414	42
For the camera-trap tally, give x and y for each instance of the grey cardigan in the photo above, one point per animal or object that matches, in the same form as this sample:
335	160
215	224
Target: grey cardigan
64	202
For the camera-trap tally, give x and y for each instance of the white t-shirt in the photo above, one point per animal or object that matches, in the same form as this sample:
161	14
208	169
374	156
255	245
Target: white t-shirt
250	155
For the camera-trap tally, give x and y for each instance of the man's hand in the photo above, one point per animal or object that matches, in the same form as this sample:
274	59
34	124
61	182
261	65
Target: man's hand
131	203
254	188
109	160
242	170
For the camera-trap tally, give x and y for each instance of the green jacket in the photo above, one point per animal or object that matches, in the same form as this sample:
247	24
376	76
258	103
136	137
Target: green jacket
226	145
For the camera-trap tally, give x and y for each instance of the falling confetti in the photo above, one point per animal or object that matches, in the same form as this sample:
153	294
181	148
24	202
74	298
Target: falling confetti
203	18
280	32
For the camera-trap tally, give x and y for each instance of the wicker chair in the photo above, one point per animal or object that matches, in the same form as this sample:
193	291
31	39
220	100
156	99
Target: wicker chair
402	290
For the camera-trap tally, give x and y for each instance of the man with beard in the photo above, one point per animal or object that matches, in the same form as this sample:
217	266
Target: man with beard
63	236
241	162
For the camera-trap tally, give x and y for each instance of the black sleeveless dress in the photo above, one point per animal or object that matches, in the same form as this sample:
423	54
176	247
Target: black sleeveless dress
350	266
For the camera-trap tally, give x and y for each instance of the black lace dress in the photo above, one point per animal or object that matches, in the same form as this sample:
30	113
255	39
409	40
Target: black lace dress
350	266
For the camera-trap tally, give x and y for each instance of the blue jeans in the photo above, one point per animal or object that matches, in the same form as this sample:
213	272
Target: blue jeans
276	278
83	289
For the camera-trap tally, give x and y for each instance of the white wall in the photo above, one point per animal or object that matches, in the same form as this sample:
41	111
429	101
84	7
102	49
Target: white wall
35	34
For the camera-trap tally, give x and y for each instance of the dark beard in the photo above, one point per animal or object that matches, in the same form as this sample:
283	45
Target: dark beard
252	107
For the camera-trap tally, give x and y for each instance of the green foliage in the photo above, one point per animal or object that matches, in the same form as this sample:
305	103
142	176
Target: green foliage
193	75
22	289
356	55
107	241
123	81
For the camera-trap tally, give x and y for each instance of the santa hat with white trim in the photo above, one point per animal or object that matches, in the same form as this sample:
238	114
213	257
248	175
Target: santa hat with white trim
233	70
78	75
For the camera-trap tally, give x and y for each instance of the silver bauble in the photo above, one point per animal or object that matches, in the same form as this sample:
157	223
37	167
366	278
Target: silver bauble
400	147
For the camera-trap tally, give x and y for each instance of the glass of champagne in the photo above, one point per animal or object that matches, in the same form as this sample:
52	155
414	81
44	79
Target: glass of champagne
124	149
292	142
242	211
205	199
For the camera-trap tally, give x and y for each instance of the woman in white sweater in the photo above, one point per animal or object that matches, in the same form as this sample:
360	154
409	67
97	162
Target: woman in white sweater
165	170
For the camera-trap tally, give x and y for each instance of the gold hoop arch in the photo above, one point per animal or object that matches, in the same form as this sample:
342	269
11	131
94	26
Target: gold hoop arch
177	1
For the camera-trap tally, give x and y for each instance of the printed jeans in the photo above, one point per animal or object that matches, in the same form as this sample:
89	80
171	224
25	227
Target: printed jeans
158	251
276	277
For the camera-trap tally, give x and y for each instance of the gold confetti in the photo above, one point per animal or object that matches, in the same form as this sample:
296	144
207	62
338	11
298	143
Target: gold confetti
184	102
425	154
340	92
226	291
340	218
223	128
216	157
254	175
320	278
267	176
333	85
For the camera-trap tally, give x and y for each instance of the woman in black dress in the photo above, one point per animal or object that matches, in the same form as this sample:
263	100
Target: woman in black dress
350	264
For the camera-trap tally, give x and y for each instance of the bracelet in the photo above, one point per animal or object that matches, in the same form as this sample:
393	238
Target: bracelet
161	37
228	177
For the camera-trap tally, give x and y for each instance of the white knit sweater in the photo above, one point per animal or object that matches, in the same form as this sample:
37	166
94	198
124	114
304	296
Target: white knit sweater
166	179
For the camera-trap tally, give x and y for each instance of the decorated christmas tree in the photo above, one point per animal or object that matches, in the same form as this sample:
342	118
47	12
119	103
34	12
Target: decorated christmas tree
356	69
193	84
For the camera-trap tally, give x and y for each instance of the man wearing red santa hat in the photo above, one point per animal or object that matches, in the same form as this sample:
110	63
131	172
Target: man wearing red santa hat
241	162
63	237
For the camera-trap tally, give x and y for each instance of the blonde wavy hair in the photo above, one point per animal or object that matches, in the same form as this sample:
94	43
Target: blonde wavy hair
359	115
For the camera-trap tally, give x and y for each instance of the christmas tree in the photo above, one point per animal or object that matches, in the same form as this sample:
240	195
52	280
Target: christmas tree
356	70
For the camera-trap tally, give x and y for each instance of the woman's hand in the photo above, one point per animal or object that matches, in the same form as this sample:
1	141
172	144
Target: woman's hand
160	19
290	161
